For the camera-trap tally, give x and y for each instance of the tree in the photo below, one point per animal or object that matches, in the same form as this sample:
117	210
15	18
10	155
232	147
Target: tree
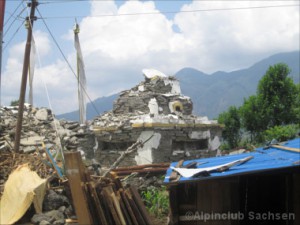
277	103
252	119
277	95
296	109
14	103
231	120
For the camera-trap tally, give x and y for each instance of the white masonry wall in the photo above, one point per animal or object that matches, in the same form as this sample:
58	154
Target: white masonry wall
144	154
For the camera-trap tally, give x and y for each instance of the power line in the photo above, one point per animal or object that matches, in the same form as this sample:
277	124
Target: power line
17	17
7	43
12	14
172	12
69	65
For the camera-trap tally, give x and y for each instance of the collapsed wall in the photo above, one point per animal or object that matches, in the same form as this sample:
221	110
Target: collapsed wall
40	126
155	108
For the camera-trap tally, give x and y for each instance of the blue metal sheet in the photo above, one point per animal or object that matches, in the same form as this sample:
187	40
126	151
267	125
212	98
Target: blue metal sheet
263	160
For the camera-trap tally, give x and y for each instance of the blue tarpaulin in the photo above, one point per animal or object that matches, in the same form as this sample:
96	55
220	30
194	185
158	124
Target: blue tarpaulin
263	160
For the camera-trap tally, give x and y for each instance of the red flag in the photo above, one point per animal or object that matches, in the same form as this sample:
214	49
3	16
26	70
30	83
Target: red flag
2	9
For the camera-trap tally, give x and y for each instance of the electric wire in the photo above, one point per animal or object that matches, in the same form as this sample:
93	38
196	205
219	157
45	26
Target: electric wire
12	14
13	36
69	65
17	17
171	12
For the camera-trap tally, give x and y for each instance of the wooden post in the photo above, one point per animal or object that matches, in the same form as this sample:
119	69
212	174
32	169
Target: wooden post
31	18
75	172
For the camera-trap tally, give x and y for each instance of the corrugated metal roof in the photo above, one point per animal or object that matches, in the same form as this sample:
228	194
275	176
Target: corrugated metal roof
263	160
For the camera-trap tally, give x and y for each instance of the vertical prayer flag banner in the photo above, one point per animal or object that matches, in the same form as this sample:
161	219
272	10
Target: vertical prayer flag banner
31	70
80	77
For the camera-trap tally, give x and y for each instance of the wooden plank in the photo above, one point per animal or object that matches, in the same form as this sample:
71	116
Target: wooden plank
296	196
118	183
142	171
134	208
137	198
100	211
286	148
75	174
117	206
128	207
123	208
106	194
173	201
131	168
106	210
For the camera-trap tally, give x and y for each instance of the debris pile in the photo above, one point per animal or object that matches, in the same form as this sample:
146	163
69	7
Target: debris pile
39	125
77	197
102	200
10	161
155	107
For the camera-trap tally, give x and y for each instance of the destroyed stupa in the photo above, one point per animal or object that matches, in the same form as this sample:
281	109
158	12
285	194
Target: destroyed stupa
155	108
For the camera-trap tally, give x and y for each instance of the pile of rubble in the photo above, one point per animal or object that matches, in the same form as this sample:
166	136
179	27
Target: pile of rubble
10	161
39	125
155	108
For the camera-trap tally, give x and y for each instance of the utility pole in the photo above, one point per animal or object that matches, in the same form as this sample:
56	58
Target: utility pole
30	19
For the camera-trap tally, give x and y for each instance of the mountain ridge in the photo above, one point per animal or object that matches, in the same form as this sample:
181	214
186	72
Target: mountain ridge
212	93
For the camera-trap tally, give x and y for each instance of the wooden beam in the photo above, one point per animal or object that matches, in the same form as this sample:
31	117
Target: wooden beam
100	211
128	207
137	167
286	148
173	201
137	198
135	208
75	172
107	195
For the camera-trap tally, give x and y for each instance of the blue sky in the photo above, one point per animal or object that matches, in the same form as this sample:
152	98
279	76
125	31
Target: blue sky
117	48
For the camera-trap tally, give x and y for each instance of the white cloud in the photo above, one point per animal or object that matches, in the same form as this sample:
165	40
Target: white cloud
222	35
117	48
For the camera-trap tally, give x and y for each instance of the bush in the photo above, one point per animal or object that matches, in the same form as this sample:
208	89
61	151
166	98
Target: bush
281	133
157	201
14	103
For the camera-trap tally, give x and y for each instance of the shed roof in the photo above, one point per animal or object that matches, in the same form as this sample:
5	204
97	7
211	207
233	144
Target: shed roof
273	158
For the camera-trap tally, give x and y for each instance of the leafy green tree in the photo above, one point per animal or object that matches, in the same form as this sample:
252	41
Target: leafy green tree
231	120
14	103
281	133
252	118
277	95
277	103
296	109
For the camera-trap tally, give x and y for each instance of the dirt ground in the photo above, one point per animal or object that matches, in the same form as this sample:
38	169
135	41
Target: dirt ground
158	221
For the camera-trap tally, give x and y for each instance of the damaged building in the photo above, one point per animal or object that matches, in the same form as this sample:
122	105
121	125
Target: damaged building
155	109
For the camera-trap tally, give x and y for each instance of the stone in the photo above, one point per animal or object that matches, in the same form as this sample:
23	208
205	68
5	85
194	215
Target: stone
29	149
42	114
44	222
34	140
54	201
55	215
37	218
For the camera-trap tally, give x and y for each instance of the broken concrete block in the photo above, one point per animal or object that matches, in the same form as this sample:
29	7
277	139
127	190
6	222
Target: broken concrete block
34	140
42	114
